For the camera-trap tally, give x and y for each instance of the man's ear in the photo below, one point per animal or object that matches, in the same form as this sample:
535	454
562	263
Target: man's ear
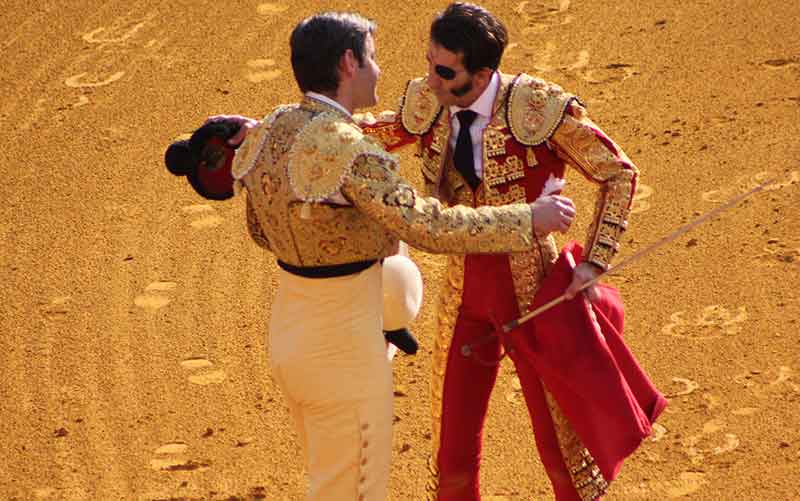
348	63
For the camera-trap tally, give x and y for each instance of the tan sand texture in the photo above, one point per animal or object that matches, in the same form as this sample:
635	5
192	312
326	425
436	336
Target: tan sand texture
132	331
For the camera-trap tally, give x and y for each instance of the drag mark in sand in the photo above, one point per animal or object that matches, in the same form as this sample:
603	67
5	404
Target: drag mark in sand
152	298
258	71
207	216
713	322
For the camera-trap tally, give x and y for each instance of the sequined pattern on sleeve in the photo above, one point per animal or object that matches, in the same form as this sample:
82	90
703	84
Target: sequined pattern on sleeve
423	222
582	144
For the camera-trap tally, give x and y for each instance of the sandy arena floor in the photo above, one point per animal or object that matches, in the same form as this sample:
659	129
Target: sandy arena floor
132	337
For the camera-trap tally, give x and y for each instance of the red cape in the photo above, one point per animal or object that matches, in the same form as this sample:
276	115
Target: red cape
578	350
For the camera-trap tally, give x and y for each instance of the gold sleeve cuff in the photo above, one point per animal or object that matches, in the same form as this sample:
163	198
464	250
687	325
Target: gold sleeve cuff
582	144
376	190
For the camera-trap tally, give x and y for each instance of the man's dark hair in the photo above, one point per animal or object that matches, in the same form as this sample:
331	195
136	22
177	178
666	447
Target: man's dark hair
472	31
318	44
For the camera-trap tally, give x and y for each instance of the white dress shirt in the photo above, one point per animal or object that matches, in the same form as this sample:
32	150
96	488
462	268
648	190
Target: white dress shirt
325	99
483	107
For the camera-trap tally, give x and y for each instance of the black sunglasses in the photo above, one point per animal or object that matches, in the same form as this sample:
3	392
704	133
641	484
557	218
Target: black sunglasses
444	72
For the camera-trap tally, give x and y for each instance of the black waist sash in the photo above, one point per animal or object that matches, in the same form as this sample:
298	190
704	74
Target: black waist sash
335	270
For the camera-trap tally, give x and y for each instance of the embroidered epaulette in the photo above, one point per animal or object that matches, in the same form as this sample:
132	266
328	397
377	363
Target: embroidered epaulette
248	153
323	154
535	109
419	108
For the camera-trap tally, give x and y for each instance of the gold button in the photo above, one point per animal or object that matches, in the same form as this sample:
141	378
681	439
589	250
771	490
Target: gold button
365	444
363	461
365	426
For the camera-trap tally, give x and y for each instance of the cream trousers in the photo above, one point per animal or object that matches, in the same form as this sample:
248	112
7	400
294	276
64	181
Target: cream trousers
328	356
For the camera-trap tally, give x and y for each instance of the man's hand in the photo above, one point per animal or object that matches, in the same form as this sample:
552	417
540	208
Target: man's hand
245	124
583	273
552	213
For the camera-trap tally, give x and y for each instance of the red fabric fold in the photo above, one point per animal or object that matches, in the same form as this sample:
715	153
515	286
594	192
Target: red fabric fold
578	350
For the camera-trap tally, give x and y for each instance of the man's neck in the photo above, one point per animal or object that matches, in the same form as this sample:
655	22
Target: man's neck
334	98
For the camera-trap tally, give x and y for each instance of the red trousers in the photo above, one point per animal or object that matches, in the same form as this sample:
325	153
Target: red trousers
488	302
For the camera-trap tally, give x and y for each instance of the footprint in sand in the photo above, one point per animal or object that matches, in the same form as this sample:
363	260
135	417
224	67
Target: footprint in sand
689	387
610	73
203	378
640	203
271	8
686	483
261	70
539	15
713	322
37	110
57	308
745	183
114	34
659	432
77	81
153	298
773	383
782	63
515	395
542	56
776	253
206	216
171	457
711	441
82	101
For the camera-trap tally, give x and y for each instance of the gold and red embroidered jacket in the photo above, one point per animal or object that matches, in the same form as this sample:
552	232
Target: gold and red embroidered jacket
536	129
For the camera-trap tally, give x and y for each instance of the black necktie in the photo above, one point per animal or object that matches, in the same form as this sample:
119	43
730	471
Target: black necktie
463	157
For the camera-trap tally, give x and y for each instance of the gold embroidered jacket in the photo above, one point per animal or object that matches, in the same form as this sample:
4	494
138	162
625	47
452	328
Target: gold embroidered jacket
320	192
535	129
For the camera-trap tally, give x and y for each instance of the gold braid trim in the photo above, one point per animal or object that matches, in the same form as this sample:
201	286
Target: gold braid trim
323	155
586	476
250	150
577	143
419	108
449	302
535	109
528	270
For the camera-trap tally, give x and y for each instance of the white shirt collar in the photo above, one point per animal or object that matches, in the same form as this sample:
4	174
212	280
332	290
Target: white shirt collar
328	101
483	105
